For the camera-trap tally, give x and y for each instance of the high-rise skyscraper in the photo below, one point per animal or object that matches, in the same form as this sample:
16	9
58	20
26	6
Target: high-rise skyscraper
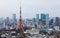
14	21
14	18
57	21
47	20
43	17
37	17
7	23
51	21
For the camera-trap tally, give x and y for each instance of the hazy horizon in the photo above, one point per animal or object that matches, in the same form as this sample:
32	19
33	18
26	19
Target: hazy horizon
29	8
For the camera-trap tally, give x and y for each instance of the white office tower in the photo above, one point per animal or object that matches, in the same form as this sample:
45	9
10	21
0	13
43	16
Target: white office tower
47	21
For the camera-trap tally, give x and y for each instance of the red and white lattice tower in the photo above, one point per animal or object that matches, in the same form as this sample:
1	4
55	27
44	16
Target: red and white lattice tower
20	23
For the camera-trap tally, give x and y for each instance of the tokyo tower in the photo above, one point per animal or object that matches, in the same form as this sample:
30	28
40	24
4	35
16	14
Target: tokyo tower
20	23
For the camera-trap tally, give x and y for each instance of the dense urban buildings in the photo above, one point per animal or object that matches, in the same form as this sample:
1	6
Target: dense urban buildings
41	26
37	25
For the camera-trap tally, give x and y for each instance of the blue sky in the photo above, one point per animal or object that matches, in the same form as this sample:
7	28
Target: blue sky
29	8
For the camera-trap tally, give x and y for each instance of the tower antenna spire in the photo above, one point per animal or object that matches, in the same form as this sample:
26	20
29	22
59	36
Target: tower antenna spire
20	10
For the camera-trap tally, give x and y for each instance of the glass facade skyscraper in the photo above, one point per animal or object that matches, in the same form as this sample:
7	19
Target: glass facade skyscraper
43	17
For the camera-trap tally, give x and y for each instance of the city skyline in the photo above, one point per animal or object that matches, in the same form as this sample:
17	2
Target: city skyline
29	8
